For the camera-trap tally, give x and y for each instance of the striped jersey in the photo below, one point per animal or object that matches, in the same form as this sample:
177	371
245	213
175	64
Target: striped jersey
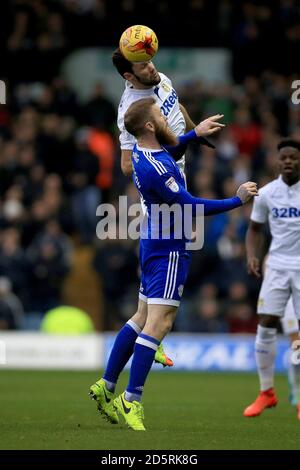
159	182
169	207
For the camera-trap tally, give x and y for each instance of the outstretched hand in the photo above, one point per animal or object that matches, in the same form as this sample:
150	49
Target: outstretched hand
209	126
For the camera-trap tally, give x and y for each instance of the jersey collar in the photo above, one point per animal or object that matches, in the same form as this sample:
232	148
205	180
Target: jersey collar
145	149
294	186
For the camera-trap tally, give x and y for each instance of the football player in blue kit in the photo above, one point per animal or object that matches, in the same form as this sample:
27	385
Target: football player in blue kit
164	260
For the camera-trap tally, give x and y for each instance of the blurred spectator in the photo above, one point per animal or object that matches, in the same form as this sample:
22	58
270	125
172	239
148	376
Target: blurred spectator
246	133
206	318
65	100
117	264
101	143
52	233
86	196
47	272
11	309
99	111
54	170
241	318
13	263
203	313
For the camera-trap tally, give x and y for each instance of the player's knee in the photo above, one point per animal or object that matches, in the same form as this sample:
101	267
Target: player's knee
168	320
268	321
139	318
159	327
138	314
167	325
266	334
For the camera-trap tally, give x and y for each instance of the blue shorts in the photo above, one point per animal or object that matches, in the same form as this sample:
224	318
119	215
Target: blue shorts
163	278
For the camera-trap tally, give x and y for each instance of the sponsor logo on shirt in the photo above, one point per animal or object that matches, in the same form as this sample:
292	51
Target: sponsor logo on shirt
169	103
260	302
285	212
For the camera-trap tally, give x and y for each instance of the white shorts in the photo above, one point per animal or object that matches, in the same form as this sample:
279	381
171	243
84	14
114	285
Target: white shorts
277	287
289	321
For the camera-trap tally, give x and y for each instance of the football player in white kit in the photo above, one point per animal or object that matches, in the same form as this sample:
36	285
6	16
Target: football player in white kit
290	327
142	80
278	202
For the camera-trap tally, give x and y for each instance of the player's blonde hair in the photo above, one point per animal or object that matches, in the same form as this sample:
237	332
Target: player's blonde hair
137	115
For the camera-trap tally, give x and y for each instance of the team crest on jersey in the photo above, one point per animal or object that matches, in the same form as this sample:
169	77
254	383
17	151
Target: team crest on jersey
260	302
135	156
291	324
166	87
180	290
171	184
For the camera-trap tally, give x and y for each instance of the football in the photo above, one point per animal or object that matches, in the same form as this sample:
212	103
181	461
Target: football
138	43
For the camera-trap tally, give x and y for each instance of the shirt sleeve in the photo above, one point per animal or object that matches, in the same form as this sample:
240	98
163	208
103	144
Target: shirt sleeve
127	141
260	210
171	191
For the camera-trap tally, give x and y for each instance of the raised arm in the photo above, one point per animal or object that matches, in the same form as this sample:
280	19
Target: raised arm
171	191
189	124
126	164
216	206
205	128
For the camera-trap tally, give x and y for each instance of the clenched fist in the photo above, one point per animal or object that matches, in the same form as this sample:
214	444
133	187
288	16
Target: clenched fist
247	191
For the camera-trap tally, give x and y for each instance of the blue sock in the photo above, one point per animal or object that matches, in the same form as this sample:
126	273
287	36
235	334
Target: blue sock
144	352
122	350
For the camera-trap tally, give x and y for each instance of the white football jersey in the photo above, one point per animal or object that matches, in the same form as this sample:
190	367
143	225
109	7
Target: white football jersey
280	204
168	102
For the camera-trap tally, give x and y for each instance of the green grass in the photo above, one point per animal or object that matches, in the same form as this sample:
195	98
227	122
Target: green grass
51	410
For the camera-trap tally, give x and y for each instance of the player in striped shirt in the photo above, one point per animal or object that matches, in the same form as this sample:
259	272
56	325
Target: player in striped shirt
164	256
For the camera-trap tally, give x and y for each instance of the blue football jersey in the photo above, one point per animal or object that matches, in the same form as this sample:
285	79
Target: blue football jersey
161	184
159	181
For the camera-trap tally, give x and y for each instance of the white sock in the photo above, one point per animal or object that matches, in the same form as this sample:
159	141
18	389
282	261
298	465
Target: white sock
110	385
265	352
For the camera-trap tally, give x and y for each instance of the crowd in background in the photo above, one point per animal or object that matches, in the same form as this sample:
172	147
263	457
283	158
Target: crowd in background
261	34
59	158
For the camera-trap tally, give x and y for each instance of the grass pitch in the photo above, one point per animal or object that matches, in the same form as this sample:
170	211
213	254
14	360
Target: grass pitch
51	410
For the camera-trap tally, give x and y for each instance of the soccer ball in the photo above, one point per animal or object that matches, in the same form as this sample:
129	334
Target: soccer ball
138	43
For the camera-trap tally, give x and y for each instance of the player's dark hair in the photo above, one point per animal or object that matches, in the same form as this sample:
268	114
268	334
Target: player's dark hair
122	65
137	115
288	143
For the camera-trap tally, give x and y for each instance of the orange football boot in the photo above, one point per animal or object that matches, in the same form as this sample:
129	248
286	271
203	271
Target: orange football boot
298	408
266	399
161	357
